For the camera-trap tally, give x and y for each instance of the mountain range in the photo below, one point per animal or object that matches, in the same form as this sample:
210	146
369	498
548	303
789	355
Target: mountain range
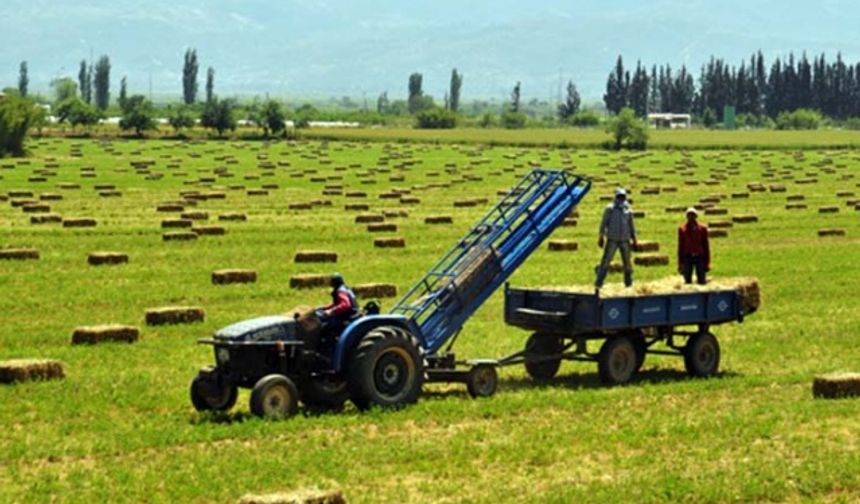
319	48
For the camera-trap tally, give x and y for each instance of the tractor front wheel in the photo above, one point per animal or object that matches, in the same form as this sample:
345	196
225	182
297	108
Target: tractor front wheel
207	394
386	369
274	396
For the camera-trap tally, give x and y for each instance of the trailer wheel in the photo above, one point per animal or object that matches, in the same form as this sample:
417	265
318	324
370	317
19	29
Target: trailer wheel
482	380
208	395
324	394
702	355
543	344
616	362
274	396
386	369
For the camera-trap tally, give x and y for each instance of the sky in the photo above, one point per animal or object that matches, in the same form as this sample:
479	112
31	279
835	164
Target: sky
322	48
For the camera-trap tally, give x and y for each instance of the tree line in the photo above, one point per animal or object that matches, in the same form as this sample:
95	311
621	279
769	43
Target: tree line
752	87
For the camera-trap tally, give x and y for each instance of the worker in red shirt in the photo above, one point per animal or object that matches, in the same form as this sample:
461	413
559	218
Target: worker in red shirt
344	305
694	251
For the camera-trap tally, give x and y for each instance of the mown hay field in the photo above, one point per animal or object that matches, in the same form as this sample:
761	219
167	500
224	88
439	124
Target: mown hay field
120	425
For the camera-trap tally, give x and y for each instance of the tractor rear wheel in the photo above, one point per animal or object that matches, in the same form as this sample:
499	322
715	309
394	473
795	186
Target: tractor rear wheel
386	369
274	396
617	360
324	393
208	395
542	345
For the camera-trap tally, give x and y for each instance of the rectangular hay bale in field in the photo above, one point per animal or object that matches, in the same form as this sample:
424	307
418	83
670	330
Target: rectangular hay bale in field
375	290
231	276
103	333
22	370
174	315
309	280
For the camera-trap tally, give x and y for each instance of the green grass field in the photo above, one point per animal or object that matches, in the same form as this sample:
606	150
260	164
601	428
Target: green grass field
121	428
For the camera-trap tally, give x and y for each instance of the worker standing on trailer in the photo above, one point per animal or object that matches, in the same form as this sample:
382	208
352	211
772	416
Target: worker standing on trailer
617	231
343	307
694	251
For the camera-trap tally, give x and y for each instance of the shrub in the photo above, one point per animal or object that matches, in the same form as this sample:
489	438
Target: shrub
853	123
218	115
436	118
513	120
17	116
137	114
180	118
584	119
487	120
800	119
628	131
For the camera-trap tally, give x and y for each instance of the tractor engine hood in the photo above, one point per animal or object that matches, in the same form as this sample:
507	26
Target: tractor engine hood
271	328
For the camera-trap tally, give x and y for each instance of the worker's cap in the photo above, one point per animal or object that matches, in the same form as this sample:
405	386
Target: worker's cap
692	210
620	192
336	280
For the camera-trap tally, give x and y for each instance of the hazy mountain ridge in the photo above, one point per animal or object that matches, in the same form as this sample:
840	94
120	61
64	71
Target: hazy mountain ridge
317	48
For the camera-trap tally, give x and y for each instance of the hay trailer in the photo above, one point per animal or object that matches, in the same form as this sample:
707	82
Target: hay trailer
563	323
384	359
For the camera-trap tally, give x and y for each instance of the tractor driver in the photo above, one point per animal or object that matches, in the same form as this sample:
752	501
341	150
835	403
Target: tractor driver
343	307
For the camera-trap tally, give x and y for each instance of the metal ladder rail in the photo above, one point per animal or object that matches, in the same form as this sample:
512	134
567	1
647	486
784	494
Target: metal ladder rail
517	192
458	253
437	327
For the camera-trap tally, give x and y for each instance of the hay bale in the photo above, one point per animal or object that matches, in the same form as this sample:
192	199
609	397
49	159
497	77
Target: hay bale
651	260
19	254
836	386
36	208
646	246
315	256
257	192
99	258
381	227
307	281
300	206
171	207
196	215
231	276
357	207
309	496
796	206
720	224
744	219
368	218
209	230
716	211
179	236
103	333
438	219
79	222
569	222
375	290
718	233
828	209
46	219
831	232
174	315
563	245
232	217
176	223
389	243
22	370
748	289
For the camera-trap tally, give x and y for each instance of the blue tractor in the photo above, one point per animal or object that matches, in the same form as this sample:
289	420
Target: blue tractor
384	359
